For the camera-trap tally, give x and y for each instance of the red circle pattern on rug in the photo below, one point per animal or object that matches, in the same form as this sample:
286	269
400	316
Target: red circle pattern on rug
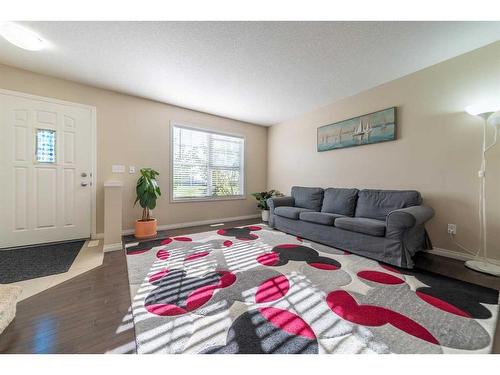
324	266
158	275
194	256
272	289
268	259
183	239
166	241
162	254
288	322
165	310
253	228
345	306
442	305
169	240
200	296
389	268
380	277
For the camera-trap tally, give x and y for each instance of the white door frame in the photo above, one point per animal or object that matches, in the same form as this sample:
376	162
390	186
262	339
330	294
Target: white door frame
93	136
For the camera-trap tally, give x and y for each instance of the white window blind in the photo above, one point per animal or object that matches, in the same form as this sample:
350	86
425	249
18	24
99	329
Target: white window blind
206	164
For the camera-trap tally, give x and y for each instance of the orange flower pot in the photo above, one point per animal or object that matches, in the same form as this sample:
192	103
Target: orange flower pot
145	229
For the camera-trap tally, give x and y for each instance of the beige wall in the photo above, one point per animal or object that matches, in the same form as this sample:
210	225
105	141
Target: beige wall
437	151
135	131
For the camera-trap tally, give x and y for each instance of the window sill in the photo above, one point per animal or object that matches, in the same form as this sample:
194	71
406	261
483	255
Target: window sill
211	199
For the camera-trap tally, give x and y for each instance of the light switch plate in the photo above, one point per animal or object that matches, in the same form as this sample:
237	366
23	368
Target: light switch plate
131	169
118	169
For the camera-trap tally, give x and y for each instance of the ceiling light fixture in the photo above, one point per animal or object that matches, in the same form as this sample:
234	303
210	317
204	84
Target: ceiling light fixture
21	36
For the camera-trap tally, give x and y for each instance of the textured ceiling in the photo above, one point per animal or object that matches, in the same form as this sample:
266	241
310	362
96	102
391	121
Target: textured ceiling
260	72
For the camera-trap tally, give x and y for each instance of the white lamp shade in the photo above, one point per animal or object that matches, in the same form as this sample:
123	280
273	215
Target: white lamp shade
21	37
484	107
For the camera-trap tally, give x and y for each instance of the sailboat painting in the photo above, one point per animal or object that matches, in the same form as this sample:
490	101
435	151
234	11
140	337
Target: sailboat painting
367	129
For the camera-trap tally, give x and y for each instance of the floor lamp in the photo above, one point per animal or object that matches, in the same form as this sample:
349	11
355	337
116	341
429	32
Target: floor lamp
485	111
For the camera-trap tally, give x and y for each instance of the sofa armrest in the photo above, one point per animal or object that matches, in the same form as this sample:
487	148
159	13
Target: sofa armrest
277	202
280	201
409	217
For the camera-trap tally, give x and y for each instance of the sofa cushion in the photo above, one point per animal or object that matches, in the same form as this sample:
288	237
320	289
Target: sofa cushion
308	197
289	212
323	218
340	201
376	204
361	225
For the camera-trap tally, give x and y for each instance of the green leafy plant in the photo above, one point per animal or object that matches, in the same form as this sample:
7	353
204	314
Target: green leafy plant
147	191
263	196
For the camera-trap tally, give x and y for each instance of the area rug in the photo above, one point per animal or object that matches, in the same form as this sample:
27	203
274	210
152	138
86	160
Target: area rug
26	263
257	290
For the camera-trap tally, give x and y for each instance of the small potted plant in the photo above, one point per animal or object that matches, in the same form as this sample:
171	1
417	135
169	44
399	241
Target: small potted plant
148	192
262	198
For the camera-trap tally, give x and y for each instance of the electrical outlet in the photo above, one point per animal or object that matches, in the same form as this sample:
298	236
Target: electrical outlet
452	229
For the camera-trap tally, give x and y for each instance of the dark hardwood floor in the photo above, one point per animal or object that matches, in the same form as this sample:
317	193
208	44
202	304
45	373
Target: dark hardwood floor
90	313
81	315
455	269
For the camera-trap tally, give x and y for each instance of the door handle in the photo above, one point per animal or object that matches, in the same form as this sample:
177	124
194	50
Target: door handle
84	183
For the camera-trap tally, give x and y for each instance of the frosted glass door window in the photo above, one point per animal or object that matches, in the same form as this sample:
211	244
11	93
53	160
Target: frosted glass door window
45	146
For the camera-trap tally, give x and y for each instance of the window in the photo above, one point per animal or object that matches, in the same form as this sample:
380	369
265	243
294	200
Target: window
206	165
45	146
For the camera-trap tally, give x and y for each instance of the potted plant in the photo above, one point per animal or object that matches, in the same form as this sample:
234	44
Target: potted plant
262	198
148	192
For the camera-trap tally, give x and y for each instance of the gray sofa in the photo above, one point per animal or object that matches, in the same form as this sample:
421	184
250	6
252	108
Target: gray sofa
385	225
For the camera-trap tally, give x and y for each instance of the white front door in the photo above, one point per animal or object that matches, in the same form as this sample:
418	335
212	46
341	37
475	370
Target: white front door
45	170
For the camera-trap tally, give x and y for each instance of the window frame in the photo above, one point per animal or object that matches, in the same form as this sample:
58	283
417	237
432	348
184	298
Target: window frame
242	196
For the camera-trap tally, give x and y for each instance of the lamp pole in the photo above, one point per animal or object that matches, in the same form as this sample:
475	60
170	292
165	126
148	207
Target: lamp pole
477	265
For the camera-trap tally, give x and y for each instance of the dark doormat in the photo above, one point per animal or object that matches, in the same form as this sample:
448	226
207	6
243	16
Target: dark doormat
24	263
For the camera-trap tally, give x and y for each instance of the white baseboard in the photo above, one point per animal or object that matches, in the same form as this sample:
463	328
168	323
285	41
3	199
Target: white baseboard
112	247
99	236
456	255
